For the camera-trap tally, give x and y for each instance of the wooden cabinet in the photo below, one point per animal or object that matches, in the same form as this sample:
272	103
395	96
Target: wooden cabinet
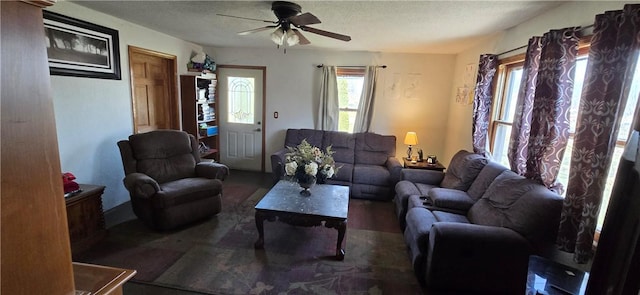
85	217
200	113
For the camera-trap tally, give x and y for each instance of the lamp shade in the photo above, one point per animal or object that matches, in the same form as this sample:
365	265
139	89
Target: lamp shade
292	38
278	36
411	138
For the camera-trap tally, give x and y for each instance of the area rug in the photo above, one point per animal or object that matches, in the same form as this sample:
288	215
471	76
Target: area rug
217	256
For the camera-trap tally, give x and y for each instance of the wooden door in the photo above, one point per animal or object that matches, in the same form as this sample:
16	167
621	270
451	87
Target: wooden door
153	80
241	90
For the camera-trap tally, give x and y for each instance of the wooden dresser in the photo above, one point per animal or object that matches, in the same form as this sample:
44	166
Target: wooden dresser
85	217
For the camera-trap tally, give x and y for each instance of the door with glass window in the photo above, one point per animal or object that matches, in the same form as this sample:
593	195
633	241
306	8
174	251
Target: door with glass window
241	123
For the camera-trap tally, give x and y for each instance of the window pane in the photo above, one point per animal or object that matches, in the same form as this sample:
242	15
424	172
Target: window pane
349	91
347	120
632	101
241	100
623	134
511	95
578	81
501	144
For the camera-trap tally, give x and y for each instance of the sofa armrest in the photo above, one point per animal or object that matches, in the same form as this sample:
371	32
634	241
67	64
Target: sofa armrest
277	163
432	177
212	170
395	168
477	258
141	185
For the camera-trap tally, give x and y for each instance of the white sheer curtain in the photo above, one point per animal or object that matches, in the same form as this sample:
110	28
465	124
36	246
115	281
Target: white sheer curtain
365	108
329	107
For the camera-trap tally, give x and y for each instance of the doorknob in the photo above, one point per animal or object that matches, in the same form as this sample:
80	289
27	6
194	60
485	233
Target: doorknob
257	129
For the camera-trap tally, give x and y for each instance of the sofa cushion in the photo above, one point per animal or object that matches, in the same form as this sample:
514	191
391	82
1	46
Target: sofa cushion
484	179
450	198
185	191
371	174
463	169
522	205
442	216
406	188
295	136
374	149
174	161
494	208
345	172
342	143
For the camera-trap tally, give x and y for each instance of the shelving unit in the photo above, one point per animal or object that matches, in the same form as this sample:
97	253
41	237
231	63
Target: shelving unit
200	113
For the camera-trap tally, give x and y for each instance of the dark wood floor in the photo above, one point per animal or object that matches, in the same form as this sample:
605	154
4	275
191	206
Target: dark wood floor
124	212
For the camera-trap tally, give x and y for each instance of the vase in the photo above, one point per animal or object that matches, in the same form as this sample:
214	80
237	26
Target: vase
306	184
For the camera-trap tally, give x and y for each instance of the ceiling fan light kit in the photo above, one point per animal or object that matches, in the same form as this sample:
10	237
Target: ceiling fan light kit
290	19
278	36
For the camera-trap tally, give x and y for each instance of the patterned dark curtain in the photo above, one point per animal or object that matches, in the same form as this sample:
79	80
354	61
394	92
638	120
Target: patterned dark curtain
548	122
521	127
482	102
612	57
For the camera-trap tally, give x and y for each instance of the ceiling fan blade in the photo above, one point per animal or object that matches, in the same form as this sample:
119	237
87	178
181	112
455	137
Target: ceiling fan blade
241	17
304	19
325	33
303	40
256	30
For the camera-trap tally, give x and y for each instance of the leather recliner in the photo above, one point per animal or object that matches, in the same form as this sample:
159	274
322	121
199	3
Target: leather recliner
168	183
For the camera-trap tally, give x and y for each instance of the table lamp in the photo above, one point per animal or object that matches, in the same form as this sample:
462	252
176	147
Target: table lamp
410	139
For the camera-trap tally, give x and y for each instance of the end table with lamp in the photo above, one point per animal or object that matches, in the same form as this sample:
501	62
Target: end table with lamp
410	139
423	165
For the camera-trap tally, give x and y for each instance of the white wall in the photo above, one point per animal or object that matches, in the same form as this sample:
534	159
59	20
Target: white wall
93	114
292	90
567	15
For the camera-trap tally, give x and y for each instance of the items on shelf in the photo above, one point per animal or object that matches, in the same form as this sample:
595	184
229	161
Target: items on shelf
199	116
201	62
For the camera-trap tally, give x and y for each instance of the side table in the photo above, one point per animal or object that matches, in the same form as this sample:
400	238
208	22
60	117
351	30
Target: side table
423	165
551	278
91	279
85	217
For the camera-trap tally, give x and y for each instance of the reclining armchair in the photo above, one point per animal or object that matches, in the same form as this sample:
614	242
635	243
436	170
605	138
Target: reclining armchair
168	183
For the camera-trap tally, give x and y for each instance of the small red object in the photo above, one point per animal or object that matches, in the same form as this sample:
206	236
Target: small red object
68	183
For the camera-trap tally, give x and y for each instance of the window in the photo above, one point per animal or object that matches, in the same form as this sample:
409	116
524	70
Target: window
510	76
350	82
508	85
241	100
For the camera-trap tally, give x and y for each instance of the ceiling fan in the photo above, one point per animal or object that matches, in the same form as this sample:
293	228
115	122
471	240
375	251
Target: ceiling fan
290	19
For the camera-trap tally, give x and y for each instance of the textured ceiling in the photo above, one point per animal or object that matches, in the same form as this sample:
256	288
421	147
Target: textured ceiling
384	26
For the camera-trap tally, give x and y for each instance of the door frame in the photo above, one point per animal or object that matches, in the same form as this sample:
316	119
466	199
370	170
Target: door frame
264	104
172	72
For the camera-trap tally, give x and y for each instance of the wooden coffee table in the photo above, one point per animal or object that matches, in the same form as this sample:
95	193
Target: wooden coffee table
327	204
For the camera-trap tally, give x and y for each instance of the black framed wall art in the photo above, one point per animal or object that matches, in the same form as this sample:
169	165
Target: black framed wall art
81	49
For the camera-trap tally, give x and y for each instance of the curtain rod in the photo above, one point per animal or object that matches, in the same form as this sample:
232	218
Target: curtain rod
382	66
525	46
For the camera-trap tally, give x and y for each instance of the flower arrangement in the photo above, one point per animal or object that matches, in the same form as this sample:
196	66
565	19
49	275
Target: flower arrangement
307	164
